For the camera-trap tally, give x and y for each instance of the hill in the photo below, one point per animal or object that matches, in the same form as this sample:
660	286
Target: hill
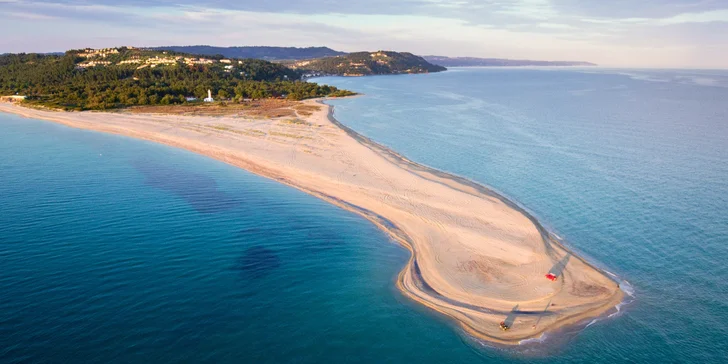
267	53
119	77
498	62
367	63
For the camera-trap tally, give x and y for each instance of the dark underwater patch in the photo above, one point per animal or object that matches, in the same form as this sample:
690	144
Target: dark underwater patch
257	231
198	190
258	261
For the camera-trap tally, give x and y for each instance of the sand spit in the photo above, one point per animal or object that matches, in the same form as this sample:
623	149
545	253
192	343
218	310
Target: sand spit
476	256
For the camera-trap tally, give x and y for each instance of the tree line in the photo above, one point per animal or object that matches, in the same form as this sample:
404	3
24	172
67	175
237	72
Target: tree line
58	82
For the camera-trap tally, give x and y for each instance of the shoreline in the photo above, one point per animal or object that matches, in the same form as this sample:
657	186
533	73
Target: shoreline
547	235
436	215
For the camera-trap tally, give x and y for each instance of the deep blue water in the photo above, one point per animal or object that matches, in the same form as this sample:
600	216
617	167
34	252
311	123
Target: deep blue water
119	250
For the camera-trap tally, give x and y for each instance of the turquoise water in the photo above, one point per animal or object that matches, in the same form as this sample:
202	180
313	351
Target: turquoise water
119	250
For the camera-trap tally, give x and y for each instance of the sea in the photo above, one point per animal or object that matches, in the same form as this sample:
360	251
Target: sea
118	250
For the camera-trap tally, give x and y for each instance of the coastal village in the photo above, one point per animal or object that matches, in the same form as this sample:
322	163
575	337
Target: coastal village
101	58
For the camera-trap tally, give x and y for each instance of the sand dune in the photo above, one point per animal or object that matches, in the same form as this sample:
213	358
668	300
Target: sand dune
475	255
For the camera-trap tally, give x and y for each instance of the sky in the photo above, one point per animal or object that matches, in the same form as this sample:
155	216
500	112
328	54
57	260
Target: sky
616	33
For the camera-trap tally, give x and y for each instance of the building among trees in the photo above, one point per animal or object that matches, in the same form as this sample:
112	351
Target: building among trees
209	97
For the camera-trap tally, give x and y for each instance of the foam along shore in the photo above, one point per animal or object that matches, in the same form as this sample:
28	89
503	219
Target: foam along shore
476	257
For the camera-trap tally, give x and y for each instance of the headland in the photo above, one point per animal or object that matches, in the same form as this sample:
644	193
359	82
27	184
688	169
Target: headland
476	257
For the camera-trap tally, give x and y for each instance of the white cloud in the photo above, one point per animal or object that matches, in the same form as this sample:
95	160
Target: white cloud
556	26
28	15
720	16
529	9
702	17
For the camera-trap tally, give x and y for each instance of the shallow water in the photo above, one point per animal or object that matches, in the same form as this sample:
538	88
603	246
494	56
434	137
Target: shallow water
120	250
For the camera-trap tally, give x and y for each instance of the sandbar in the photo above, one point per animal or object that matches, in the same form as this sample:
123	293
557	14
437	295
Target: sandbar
476	257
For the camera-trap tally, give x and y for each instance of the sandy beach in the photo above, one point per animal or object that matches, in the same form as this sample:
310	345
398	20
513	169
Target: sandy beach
476	257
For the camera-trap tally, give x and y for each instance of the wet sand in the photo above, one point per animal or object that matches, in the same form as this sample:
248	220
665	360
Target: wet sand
477	257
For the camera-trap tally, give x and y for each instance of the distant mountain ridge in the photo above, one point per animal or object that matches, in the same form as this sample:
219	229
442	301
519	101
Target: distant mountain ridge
498	62
266	53
366	64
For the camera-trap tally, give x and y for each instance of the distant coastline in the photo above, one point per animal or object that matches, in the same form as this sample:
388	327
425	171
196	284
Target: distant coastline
444	220
501	62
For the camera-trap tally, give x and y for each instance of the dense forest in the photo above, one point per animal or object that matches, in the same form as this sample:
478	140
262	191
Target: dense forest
267	53
368	63
82	80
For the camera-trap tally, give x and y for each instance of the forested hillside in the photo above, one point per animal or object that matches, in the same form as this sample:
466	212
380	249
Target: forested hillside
368	63
120	77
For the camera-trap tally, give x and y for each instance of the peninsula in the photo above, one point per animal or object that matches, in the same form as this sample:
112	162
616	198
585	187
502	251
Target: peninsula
366	64
476	257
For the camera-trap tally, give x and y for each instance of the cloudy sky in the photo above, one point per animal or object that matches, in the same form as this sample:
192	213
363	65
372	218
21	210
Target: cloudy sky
623	33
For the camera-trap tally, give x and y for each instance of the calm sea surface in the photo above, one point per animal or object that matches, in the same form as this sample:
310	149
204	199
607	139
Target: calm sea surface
119	250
